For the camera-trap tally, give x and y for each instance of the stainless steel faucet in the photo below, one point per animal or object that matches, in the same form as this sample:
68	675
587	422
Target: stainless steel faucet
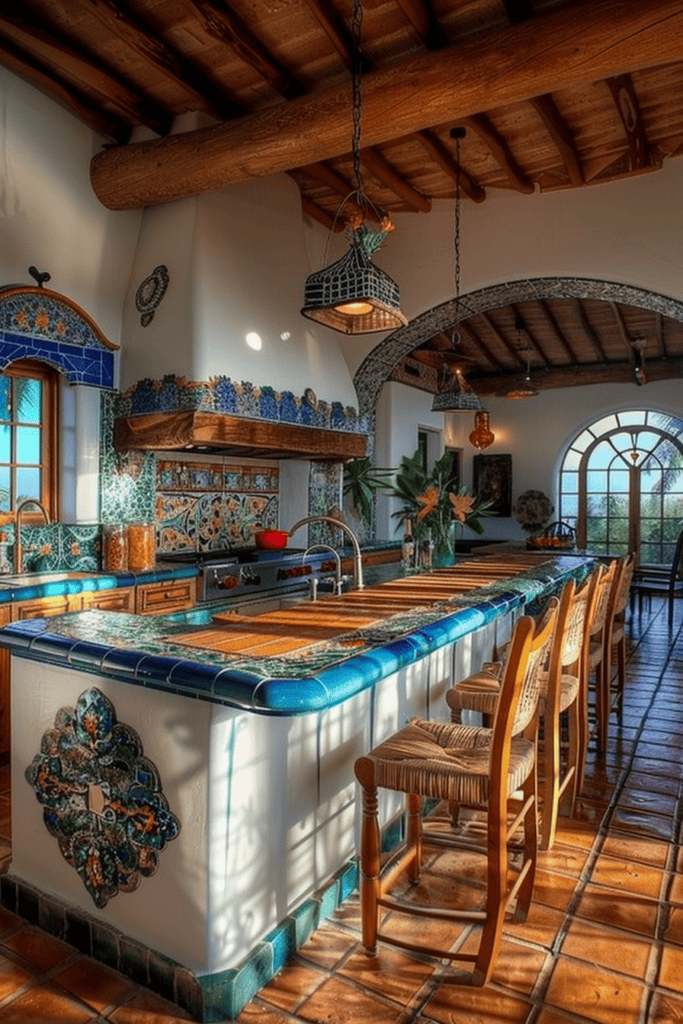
314	580
357	557
17	559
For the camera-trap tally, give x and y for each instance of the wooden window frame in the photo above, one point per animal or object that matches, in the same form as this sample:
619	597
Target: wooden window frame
50	380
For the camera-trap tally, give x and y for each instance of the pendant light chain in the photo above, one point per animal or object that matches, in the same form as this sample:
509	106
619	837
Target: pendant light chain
356	70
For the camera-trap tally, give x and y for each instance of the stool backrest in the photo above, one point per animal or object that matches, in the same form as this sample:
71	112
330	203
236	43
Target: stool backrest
524	667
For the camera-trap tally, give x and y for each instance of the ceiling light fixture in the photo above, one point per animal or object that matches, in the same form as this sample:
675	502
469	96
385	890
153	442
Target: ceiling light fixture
455	395
352	295
482	436
523	388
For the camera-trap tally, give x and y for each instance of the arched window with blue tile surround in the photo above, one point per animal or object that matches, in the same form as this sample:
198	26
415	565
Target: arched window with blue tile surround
37	323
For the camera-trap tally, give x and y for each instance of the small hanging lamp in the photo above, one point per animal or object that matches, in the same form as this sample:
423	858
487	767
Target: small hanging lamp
352	295
523	388
456	395
482	436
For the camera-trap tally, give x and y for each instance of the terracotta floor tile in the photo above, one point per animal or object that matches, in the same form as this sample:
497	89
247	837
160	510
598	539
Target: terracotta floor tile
554	890
674	928
291	985
665	1009
575	833
327	946
550	1016
565	860
38	948
595	994
647	801
645	851
46	1004
259	1013
95	984
14	977
461	1004
339	1002
671	968
618	910
644	823
604	947
518	966
540	928
391	973
146	1008
627	875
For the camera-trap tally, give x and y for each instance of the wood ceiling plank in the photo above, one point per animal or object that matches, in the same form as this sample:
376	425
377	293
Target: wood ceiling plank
561	135
480	124
385	173
579	375
562	47
443	159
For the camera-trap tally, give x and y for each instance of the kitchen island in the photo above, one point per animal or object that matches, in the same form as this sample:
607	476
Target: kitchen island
183	798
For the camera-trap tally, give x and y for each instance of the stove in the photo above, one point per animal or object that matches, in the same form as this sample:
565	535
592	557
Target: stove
242	571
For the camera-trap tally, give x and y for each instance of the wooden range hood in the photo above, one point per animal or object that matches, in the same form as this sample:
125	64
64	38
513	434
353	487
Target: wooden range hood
235	435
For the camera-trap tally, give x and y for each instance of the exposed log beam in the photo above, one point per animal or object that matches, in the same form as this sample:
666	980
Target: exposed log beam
224	25
626	102
500	150
101	121
579	376
440	155
566	46
561	135
121	20
82	72
387	176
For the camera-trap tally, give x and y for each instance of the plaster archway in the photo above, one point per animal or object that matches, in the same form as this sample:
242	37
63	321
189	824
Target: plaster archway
380	361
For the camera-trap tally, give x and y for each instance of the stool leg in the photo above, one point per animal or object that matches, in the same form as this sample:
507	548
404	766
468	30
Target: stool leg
414	834
369	857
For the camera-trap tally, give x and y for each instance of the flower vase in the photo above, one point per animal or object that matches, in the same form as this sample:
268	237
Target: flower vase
443	552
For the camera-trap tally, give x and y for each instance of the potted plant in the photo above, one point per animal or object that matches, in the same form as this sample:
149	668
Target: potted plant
362	481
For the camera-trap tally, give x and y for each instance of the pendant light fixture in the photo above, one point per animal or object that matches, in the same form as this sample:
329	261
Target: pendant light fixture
352	295
482	436
523	388
455	394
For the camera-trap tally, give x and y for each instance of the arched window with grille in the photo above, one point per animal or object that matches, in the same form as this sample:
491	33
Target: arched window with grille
621	485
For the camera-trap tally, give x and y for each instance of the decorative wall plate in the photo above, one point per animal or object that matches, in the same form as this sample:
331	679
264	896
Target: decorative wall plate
150	293
102	798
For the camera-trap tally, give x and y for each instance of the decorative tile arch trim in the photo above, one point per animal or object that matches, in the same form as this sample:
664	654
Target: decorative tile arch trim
37	323
378	364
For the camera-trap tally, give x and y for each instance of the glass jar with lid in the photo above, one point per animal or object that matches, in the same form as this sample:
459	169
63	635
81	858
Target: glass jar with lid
141	547
114	547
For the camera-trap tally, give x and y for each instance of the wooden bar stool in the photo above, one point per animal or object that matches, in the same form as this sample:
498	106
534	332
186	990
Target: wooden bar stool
564	691
485	768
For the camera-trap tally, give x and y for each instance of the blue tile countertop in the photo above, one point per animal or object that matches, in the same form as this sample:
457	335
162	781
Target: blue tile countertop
147	650
27	586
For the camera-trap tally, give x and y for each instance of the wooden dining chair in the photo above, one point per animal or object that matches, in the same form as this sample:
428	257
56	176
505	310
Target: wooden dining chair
485	768
665	581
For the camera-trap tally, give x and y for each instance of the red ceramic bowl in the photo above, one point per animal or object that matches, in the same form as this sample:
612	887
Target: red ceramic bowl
271	540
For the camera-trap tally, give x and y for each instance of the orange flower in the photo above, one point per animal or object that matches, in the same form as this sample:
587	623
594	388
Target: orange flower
462	506
429	500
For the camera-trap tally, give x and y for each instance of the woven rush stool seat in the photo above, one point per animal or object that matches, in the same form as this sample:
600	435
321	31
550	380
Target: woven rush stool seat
490	769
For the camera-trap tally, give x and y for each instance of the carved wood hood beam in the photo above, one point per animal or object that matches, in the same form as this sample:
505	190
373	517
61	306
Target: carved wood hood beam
586	41
235	435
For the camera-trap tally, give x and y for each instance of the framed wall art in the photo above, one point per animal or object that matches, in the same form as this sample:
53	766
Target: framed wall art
492	481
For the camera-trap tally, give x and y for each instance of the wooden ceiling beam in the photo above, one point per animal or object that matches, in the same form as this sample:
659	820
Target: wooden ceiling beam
534	343
224	25
118	18
623	330
387	176
443	159
579	375
587	329
563	47
661	335
557	330
507	345
81	71
561	134
315	212
626	101
420	14
101	121
500	151
336	31
348	204
466	330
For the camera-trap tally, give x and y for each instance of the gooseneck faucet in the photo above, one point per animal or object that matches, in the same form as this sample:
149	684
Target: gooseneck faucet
357	557
17	528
